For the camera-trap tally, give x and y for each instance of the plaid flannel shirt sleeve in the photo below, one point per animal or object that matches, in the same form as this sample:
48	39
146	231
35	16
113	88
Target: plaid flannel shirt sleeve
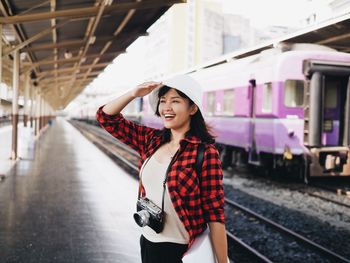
212	193
128	132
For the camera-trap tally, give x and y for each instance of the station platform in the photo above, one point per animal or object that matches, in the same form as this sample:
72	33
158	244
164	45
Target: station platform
67	203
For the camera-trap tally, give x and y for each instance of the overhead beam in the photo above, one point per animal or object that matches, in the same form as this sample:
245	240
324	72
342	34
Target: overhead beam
64	44
64	83
342	48
46	73
45	46
87	11
33	38
6	12
333	39
78	76
117	31
29	66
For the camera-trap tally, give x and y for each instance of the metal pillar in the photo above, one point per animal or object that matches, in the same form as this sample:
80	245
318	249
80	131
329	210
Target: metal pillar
15	84
41	113
37	108
32	99
26	100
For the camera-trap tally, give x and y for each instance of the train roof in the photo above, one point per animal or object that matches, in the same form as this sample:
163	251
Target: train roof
66	44
269	65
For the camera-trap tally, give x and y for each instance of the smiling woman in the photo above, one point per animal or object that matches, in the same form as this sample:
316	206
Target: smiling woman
175	203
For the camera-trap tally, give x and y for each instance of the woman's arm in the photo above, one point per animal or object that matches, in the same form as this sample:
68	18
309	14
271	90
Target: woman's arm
219	240
117	105
132	134
212	197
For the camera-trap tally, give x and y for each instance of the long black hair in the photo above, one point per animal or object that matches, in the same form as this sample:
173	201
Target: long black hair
198	127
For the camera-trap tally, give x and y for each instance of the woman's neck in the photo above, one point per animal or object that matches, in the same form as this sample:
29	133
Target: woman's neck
176	137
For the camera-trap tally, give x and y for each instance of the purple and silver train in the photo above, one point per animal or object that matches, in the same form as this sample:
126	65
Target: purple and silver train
285	107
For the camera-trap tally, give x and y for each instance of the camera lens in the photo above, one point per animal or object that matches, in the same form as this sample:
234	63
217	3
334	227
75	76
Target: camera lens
142	218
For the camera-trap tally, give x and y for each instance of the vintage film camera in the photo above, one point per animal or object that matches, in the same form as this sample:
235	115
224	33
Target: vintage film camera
149	214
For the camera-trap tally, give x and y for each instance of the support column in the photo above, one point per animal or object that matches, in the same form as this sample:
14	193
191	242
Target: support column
32	95
26	100
41	113
15	87
37	113
44	114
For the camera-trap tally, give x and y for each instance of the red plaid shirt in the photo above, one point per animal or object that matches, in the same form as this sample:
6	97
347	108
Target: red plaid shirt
196	201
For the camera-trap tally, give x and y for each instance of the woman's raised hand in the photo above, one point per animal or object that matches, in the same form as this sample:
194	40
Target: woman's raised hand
145	88
119	103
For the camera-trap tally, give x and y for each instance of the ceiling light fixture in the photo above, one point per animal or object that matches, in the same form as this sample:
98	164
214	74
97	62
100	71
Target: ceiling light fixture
68	54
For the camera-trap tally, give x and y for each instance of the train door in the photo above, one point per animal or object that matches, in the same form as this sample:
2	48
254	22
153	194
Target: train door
328	107
335	93
327	111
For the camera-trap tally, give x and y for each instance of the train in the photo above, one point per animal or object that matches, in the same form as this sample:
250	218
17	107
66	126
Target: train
284	109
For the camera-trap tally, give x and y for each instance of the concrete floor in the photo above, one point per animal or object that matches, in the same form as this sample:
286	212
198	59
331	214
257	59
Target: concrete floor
67	203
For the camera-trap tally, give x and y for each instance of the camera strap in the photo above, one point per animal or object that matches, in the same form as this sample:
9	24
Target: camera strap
198	168
199	161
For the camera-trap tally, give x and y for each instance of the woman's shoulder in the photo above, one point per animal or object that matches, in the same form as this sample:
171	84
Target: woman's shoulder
209	146
210	150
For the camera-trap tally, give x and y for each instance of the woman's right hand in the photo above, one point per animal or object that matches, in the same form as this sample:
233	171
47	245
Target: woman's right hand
145	88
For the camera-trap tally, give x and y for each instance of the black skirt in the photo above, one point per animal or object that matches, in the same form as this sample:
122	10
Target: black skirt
161	252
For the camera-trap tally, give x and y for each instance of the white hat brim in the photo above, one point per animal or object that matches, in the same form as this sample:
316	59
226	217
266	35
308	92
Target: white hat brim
183	83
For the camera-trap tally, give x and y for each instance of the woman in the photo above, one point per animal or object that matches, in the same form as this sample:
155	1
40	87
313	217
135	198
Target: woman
191	201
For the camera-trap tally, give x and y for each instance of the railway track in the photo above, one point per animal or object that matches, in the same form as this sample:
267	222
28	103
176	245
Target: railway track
337	189
323	197
317	190
334	257
128	159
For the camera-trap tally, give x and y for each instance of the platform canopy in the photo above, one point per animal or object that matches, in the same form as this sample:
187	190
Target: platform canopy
65	44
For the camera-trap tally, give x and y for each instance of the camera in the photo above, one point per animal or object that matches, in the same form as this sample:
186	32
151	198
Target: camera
149	214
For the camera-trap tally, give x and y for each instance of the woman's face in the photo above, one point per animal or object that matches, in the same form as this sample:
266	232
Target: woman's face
176	111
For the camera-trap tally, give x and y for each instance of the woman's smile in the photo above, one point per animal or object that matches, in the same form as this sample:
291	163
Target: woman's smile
169	117
175	111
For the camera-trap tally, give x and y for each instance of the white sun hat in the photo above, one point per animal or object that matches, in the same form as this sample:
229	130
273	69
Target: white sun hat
183	83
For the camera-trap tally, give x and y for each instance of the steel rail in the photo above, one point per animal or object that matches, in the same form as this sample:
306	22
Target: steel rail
97	131
106	149
335	189
248	248
285	230
325	198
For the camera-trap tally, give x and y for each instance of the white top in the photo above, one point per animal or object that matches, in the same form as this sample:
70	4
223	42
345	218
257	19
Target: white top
153	174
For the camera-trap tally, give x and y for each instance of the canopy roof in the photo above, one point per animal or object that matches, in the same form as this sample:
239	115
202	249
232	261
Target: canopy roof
65	44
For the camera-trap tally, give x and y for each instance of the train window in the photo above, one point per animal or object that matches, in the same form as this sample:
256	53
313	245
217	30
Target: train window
211	103
294	93
267	97
331	93
229	97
